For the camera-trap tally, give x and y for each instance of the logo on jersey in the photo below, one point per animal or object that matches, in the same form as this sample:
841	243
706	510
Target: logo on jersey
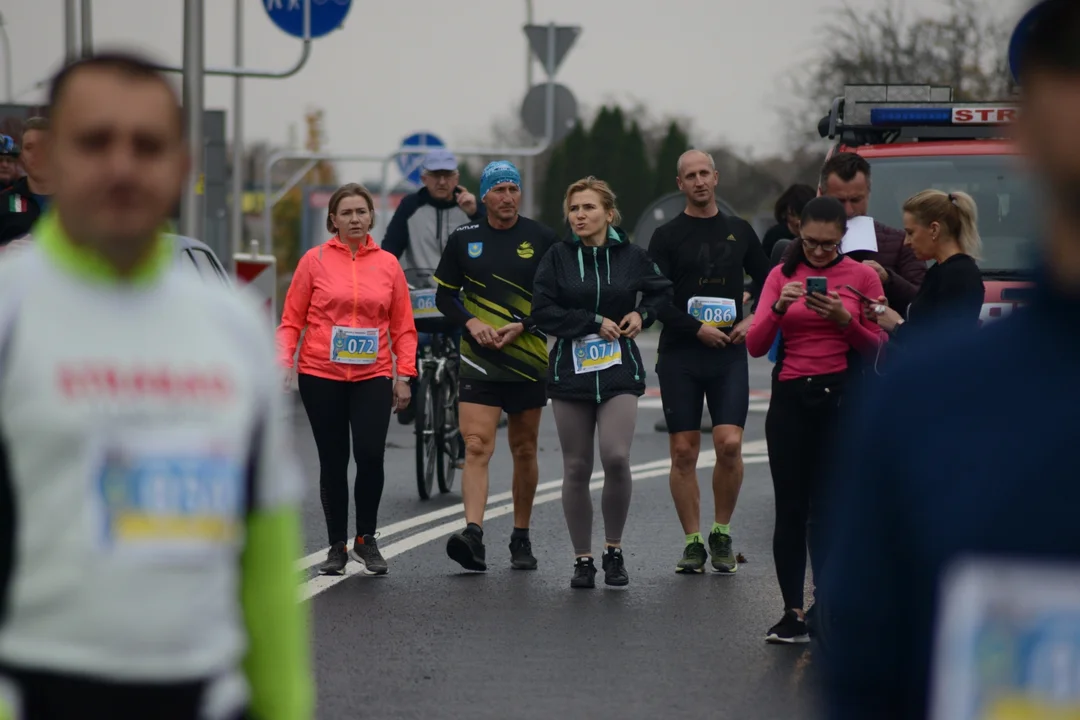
475	248
525	250
731	238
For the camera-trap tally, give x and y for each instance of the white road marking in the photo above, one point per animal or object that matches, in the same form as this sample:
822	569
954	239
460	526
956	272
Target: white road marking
321	583
655	403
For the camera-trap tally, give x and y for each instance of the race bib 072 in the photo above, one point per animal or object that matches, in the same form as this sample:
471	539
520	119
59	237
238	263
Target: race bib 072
593	353
715	311
354	346
423	303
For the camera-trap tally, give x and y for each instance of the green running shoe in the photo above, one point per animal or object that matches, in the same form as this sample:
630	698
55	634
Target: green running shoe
723	559
693	559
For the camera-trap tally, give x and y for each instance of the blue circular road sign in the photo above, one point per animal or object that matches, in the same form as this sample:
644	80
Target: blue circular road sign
409	165
326	15
1020	36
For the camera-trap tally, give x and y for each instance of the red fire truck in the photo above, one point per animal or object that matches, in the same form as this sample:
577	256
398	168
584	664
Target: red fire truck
917	137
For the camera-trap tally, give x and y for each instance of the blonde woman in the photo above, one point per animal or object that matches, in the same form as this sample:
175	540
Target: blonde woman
585	295
942	227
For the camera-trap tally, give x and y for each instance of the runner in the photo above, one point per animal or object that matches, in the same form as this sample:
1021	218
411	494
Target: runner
485	284
148	504
702	355
352	298
586	296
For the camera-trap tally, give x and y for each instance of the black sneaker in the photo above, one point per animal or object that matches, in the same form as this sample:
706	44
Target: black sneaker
693	559
336	560
614	568
521	557
466	548
584	574
367	554
789	631
723	558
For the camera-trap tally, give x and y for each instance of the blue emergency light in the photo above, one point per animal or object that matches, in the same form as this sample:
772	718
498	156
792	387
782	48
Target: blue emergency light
908	116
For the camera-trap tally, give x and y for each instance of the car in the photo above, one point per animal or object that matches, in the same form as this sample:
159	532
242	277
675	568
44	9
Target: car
198	256
917	137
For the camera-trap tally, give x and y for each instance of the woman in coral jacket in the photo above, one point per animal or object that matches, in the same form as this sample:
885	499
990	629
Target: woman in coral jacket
352	302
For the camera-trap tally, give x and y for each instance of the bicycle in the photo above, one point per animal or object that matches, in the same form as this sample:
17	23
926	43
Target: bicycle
439	443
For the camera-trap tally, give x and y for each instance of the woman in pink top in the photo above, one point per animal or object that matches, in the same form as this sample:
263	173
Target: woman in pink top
352	302
820	333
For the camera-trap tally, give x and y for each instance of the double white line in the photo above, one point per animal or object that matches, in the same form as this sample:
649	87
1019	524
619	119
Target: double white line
753	452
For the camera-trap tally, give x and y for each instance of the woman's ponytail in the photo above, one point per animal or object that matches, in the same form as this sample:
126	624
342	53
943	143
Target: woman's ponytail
968	212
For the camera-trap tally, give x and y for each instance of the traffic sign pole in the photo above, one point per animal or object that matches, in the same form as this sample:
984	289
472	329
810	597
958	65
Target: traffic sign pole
192	214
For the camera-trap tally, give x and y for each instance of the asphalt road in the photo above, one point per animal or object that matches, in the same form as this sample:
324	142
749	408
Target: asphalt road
432	641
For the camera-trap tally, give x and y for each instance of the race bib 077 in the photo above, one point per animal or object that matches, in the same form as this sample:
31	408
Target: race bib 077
354	346
593	353
715	311
423	303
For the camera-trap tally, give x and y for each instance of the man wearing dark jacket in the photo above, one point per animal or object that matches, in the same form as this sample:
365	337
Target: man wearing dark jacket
28	197
846	177
954	546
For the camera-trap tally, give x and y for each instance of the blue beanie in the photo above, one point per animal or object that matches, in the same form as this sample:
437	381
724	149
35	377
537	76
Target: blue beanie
500	171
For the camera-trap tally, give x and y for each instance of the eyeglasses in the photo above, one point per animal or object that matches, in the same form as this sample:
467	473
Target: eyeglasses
810	244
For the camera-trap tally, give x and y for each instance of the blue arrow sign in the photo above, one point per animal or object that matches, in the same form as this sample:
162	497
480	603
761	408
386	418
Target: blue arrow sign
326	15
409	165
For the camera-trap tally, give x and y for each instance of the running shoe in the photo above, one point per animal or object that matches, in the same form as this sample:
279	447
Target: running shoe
789	631
336	560
584	573
466	548
723	558
693	559
521	556
614	568
366	552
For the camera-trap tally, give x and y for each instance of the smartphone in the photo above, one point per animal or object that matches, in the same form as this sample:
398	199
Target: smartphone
865	299
817	285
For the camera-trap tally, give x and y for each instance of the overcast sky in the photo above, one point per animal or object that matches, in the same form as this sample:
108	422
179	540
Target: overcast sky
451	67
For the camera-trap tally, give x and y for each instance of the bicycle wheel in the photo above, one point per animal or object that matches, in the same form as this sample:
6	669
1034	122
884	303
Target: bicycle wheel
426	446
451	443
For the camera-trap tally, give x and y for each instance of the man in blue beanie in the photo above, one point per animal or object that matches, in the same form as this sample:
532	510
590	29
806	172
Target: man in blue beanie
485	282
953	572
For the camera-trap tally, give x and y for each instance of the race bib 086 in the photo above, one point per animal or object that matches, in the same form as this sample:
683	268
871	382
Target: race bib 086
593	353
715	311
167	494
423	303
354	346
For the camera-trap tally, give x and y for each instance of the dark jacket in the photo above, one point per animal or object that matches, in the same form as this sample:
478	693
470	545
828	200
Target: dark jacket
905	271
575	288
421	225
18	211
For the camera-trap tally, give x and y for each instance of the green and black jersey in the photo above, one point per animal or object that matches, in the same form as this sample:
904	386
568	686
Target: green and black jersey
488	274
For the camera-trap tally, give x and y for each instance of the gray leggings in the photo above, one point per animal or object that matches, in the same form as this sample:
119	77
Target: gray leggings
577	422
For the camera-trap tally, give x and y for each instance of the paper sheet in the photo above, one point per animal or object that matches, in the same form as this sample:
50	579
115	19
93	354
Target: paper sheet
860	235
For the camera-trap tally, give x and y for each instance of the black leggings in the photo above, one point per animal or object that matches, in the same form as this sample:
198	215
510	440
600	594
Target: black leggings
800	429
333	408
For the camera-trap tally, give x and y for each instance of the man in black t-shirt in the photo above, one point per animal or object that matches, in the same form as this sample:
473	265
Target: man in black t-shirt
702	353
485	282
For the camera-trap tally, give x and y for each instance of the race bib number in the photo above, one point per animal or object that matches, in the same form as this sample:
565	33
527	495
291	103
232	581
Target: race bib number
354	346
423	303
1008	645
593	353
714	311
162	495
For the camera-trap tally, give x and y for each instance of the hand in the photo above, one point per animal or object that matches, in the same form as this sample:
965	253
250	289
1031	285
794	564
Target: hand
789	294
402	395
887	319
746	297
829	307
882	272
609	330
630	325
288	379
713	337
483	333
738	333
508	334
466	201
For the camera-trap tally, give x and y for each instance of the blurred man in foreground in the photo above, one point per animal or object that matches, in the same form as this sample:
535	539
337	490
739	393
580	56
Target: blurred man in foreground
936	527
148	521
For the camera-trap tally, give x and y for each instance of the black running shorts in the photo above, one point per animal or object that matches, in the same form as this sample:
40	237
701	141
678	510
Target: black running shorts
512	397
691	377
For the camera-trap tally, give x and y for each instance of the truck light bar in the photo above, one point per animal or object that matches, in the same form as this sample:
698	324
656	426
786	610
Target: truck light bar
910	116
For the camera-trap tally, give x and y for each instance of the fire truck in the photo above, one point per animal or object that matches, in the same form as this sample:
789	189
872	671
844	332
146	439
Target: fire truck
917	137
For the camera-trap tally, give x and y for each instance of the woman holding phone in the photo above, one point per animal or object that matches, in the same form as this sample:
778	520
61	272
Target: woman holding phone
585	295
823	324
